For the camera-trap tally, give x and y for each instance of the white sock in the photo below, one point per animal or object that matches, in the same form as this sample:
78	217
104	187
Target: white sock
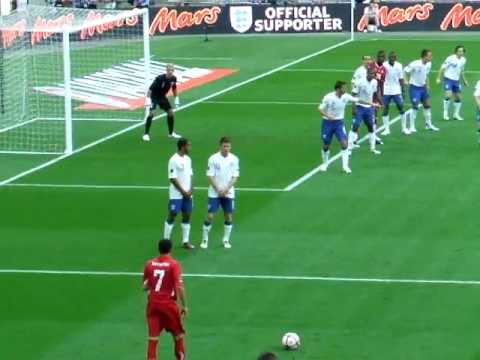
427	113
372	139
167	231
456	107
345	157
186	232
386	122
403	120
205	231
352	137
228	231
325	156
413	118
446	105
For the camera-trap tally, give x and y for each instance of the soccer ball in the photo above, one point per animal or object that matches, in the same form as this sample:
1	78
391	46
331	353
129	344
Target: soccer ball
291	341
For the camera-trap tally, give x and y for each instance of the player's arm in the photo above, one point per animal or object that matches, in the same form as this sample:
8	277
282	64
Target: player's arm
180	289
145	285
441	72
213	184
462	76
323	110
177	185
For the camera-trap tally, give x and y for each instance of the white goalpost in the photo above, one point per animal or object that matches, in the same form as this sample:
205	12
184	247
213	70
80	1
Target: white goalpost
61	66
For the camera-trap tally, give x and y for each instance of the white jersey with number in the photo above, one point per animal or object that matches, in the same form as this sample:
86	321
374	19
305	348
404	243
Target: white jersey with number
222	169
453	67
366	89
335	106
394	73
180	168
477	89
418	71
359	75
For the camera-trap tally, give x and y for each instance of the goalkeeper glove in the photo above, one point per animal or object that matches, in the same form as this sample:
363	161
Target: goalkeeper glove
177	101
148	102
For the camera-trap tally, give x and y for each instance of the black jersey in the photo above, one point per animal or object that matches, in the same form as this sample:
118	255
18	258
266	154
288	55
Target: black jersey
161	85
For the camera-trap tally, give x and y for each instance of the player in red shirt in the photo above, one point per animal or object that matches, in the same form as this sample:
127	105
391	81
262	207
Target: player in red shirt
162	279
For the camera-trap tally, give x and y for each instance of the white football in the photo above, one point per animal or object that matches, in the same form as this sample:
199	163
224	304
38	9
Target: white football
291	341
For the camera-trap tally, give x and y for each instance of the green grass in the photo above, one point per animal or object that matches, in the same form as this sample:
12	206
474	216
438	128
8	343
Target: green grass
408	214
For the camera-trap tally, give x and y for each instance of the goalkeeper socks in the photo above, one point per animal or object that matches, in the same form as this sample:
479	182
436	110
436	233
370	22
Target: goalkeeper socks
152	349
167	232
185	232
179	349
206	229
148	124
228	231
170	122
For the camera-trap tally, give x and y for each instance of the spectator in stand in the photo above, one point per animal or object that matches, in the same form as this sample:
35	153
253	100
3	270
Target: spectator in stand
141	3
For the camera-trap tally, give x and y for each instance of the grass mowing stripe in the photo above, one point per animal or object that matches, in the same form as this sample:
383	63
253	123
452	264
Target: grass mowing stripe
337	156
251	277
183	107
129	187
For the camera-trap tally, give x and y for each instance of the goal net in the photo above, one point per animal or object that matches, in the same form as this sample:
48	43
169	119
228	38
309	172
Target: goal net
63	69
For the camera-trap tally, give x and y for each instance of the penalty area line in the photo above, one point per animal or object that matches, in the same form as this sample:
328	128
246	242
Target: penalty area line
183	107
252	277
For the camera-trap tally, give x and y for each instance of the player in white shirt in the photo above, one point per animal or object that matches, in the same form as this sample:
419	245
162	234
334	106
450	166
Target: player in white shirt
361	72
416	74
477	100
332	109
453	73
392	91
180	175
223	172
365	111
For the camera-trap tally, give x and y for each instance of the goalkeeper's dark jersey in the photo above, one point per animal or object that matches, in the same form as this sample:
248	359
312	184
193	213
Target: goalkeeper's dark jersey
162	85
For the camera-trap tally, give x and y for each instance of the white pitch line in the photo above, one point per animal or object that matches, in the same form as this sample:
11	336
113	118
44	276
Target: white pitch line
183	107
262	103
128	187
337	156
252	277
196	58
350	71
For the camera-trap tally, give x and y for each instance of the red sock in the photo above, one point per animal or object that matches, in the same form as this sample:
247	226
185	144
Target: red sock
152	350
180	349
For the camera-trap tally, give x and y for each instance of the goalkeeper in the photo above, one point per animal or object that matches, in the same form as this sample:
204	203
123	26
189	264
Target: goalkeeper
157	96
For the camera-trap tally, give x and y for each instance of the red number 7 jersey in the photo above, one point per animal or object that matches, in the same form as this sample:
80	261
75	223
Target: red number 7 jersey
163	275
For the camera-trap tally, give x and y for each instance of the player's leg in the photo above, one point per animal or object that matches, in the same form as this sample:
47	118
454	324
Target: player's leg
401	110
167	107
415	101
427	112
385	115
457	105
213	204
172	321
154	330
187	207
327	134
353	133
174	207
148	122
228	207
341	135
369	121
447	85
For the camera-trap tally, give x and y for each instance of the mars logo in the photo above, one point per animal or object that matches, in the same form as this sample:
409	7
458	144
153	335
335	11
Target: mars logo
397	15
241	18
173	20
11	34
460	15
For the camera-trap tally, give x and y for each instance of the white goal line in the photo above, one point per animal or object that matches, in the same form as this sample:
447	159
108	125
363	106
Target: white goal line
129	187
252	277
352	70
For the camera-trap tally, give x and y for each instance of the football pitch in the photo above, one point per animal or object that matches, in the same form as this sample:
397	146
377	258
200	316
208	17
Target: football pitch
380	264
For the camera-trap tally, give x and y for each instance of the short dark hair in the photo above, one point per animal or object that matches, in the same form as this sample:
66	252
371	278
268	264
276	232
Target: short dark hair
339	84
458	47
181	143
164	246
381	53
267	356
425	52
224	140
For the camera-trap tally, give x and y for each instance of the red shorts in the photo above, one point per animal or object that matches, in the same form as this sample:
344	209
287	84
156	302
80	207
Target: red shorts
164	316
